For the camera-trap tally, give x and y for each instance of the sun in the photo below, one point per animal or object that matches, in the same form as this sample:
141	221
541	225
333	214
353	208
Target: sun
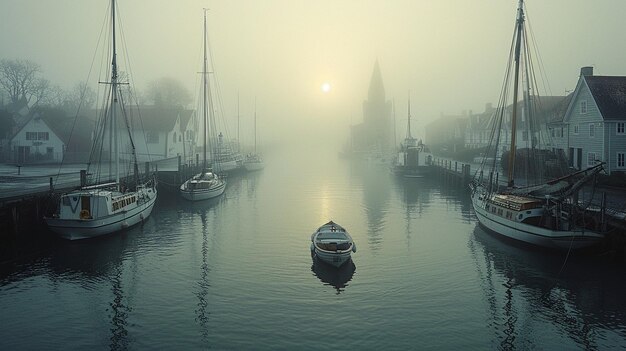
326	87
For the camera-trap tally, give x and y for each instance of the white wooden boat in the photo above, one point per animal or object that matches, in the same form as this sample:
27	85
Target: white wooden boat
332	244
106	207
203	186
207	184
534	206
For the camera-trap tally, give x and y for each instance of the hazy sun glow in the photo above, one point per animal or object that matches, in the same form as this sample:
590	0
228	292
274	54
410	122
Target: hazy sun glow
326	87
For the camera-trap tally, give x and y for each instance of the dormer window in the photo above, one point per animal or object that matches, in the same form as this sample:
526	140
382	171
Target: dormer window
583	107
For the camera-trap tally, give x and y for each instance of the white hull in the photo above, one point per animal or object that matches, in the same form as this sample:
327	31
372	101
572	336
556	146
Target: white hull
74	229
204	194
332	244
226	166
203	186
336	259
544	237
253	166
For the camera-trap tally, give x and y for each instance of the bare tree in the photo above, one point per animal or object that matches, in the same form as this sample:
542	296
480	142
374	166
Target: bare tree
81	96
168	91
21	79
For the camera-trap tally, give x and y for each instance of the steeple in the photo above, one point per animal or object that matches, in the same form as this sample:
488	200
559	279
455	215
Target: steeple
377	90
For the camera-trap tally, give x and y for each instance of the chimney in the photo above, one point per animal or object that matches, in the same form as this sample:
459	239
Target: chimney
586	71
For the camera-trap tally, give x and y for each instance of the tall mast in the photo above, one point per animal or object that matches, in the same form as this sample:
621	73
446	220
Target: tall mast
204	95
255	125
208	96
114	98
395	141
238	118
520	28
408	123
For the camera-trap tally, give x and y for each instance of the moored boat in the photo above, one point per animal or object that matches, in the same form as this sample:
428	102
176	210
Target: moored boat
414	159
103	205
207	184
332	244
537	204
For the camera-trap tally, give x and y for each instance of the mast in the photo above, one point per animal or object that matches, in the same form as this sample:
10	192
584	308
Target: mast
255	125
408	123
209	97
114	99
204	96
395	141
520	28
238	118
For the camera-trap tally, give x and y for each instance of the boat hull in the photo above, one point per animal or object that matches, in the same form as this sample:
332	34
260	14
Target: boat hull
227	166
202	194
75	229
539	236
332	244
336	259
253	166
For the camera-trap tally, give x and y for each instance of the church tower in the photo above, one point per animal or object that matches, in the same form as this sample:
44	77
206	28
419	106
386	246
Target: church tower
377	114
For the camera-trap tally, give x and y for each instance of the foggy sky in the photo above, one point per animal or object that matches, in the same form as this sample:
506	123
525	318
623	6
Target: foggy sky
450	54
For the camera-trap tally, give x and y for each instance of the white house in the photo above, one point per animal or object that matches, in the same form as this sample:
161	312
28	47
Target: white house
595	122
162	132
36	141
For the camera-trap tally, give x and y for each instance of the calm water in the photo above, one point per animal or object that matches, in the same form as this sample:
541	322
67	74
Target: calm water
236	274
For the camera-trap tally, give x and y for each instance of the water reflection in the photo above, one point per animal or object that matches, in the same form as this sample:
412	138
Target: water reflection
337	277
202	313
527	290
96	262
376	184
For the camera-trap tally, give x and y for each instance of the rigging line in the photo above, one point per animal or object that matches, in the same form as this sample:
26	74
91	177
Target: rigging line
544	78
82	96
218	94
131	87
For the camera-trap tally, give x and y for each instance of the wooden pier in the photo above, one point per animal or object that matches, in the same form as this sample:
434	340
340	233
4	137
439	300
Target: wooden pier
26	198
456	172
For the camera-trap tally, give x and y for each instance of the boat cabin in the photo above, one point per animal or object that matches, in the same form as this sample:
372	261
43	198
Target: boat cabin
94	204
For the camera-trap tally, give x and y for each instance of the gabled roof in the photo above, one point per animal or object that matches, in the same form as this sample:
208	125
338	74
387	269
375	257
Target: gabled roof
160	119
609	93
185	118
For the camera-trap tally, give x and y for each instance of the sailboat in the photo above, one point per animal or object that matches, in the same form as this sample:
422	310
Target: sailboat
539	202
107	206
207	184
414	158
253	161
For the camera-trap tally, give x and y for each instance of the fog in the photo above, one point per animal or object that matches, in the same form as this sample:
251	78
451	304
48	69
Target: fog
450	54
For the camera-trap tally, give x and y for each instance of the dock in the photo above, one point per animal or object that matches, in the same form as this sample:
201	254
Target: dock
28	192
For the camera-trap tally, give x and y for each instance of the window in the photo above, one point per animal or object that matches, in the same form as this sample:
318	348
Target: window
591	159
43	136
583	107
152	137
174	138
620	128
49	150
576	129
592	130
180	137
620	160
31	135
525	135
